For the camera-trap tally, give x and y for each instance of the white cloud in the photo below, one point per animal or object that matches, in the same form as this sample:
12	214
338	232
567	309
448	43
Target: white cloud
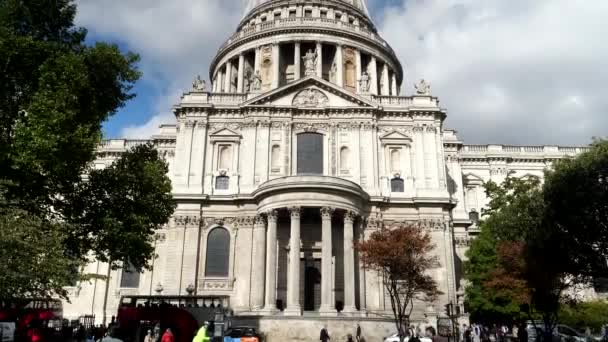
175	38
508	71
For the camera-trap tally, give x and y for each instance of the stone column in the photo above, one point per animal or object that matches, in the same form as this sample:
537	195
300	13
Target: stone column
339	66
327	307
241	79
373	76
386	86
270	304
359	68
259	258
297	61
227	77
275	66
349	263
394	85
319	59
293	283
256	62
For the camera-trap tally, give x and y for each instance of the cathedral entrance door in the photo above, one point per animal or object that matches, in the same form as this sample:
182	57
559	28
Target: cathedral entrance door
312	284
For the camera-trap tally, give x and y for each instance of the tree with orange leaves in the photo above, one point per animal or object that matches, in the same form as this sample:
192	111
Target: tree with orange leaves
402	256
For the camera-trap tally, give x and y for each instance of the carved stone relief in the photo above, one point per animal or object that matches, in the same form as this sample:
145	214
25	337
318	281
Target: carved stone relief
310	98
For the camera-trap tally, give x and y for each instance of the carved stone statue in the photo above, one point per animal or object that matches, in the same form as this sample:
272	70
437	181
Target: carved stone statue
247	80
333	73
310	98
423	88
310	63
364	83
199	84
256	81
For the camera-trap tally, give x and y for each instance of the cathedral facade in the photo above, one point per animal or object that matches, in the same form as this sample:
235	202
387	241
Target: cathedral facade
302	144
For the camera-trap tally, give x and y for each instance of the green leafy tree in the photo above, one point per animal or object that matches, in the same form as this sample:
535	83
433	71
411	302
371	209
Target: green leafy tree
511	215
55	93
576	193
402	257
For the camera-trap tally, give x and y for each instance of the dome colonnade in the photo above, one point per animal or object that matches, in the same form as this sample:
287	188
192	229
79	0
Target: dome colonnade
281	41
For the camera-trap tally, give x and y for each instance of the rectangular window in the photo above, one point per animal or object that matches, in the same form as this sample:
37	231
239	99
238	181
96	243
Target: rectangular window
310	153
222	183
307	13
324	14
292	13
130	277
338	16
277	16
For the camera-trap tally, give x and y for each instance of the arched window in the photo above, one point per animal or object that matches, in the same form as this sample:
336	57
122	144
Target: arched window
397	185
222	183
218	253
130	277
344	159
275	158
225	157
310	153
474	216
395	160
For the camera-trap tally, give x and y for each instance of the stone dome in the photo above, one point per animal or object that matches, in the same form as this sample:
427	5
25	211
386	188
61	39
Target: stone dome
359	4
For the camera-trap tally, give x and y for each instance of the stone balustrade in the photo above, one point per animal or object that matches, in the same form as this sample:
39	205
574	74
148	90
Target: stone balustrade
510	149
303	22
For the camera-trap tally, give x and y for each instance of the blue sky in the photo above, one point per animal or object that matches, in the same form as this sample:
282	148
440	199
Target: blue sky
508	71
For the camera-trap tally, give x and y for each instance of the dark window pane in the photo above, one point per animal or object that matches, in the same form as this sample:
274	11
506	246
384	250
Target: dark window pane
218	253
474	216
397	185
130	277
222	183
310	153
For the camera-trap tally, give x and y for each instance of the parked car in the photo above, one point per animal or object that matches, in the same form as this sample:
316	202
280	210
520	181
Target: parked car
395	338
242	334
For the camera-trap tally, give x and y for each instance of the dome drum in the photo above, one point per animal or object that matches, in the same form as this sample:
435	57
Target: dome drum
283	41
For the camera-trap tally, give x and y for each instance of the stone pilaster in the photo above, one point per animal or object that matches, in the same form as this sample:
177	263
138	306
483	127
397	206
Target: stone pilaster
327	305
293	283
394	87
385	81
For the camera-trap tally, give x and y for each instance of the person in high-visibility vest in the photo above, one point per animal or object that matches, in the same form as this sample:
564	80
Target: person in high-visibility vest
202	335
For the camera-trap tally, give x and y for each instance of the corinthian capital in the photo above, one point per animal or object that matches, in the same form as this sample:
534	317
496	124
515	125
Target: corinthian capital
272	216
350	216
326	213
295	212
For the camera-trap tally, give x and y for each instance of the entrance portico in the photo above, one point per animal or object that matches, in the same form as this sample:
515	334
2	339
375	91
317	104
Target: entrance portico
336	214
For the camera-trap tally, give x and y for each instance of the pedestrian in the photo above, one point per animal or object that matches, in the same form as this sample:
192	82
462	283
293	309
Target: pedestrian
149	337
468	335
349	338
168	336
112	336
432	334
522	333
202	334
324	336
358	332
476	333
461	332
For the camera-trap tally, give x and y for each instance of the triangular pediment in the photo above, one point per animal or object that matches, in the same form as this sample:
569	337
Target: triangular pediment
225	132
310	92
395	135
